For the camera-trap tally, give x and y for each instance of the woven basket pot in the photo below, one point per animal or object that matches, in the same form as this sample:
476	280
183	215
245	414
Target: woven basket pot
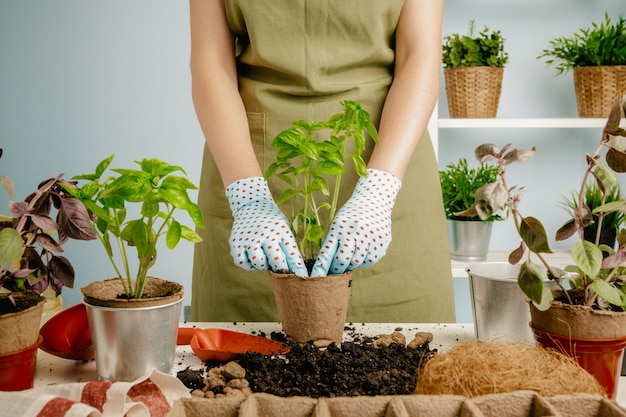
473	92
312	309
597	88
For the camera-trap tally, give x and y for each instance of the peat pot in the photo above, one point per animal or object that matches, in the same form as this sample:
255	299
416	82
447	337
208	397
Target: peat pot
133	336
499	306
312	309
469	240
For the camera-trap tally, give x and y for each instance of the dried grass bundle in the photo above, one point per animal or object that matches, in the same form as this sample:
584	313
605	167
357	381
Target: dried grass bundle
473	369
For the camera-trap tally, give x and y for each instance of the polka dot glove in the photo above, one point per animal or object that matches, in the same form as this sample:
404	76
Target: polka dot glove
261	237
361	231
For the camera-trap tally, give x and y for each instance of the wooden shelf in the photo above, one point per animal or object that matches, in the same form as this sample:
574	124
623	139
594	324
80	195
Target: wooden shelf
532	123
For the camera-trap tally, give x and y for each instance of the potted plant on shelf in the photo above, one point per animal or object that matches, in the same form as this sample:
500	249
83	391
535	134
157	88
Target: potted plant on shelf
586	315
595	197
134	317
315	309
473	72
469	235
30	263
597	56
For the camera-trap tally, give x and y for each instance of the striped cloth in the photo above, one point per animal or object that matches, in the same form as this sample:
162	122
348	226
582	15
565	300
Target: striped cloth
151	396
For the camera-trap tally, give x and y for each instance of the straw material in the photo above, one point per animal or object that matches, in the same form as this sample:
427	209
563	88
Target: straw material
597	88
473	92
474	369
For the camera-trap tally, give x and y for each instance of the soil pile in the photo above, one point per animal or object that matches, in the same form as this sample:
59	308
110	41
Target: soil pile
362	366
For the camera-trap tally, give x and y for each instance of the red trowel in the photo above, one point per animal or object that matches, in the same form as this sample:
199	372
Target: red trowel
224	345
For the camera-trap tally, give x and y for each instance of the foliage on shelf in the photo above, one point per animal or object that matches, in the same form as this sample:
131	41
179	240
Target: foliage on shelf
483	50
603	43
459	184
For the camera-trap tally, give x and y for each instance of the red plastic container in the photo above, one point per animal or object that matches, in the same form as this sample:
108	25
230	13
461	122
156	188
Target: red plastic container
17	369
602	358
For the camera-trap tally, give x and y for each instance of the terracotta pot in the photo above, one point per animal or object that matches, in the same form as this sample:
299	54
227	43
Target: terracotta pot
312	309
131	337
17	369
602	358
20	330
595	338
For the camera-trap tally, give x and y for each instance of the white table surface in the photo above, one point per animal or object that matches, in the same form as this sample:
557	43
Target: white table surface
55	370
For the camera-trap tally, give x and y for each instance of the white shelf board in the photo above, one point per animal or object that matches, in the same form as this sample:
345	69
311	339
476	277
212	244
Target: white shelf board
558	259
538	123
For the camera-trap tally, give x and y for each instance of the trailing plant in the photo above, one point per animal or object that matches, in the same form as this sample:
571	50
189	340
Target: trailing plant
459	184
313	168
600	279
158	194
603	43
483	50
32	237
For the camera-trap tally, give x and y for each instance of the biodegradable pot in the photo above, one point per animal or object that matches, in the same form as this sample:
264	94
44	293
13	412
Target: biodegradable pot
312	309
20	330
595	338
17	369
131	337
469	240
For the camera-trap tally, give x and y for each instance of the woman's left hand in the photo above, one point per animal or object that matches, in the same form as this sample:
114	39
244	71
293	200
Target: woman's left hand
361	231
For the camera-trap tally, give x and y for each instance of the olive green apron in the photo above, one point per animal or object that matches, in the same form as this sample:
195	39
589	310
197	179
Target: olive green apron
296	60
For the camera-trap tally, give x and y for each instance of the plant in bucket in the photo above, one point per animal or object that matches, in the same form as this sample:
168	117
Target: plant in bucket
134	317
585	317
469	235
30	264
315	308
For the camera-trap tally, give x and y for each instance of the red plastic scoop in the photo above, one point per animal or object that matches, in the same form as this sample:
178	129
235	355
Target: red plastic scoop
67	334
225	345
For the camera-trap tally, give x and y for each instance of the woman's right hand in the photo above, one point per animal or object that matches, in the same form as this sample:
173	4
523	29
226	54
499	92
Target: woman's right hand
261	237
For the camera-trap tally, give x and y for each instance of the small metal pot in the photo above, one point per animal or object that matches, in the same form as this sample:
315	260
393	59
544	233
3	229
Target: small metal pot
130	342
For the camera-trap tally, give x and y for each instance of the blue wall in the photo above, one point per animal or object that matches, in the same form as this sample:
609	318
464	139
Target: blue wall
80	80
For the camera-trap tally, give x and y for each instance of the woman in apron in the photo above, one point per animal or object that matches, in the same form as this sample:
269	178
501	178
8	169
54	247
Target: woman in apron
259	65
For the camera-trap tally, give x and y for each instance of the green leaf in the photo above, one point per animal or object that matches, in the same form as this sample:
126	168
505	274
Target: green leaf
173	235
530	280
587	257
534	235
190	235
607	291
286	195
11	246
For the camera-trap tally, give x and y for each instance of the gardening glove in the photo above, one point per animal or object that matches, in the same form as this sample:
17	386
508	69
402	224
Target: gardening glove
361	231
261	237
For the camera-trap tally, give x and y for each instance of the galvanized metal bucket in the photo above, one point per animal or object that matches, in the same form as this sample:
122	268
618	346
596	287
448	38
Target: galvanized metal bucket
130	342
469	240
499	306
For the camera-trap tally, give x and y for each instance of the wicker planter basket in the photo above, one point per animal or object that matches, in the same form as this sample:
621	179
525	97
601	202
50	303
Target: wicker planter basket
473	92
597	88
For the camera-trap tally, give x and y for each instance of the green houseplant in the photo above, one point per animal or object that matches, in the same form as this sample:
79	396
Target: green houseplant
315	309
473	71
31	242
595	197
156	193
469	235
597	57
589	307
